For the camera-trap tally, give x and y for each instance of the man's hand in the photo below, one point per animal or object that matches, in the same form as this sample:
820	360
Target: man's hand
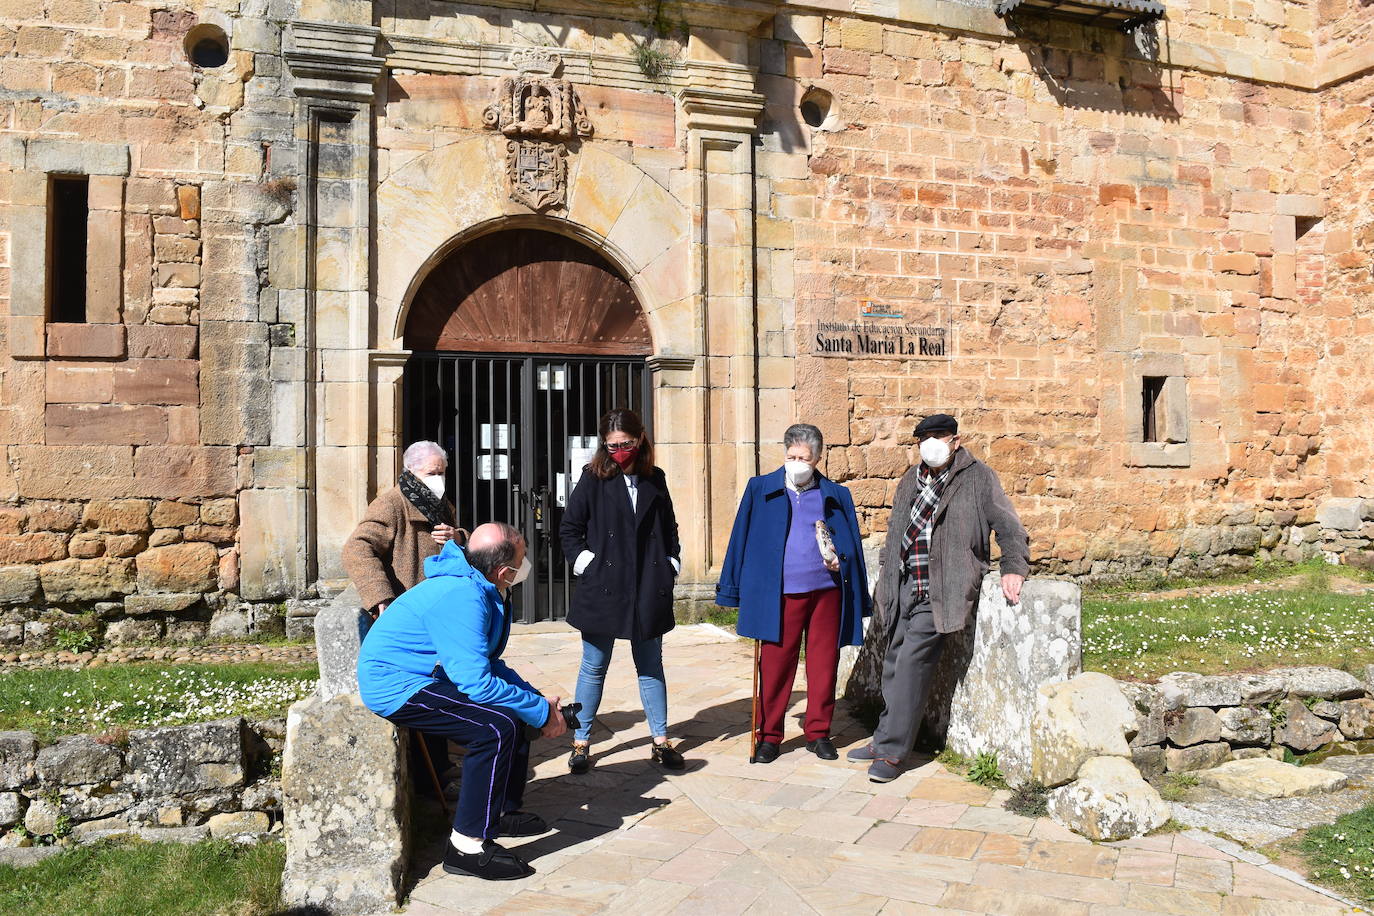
1011	587
442	534
555	725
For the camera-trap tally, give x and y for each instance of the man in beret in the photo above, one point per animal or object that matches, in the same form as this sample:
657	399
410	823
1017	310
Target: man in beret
933	563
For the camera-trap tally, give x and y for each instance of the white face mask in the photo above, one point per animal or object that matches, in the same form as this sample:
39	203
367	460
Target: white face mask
935	452
798	472
435	482
523	572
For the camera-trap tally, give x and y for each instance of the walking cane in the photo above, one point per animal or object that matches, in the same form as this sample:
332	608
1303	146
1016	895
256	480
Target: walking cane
433	775
754	708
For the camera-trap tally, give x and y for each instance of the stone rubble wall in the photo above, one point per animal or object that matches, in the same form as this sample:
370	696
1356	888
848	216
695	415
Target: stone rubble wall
1189	722
180	782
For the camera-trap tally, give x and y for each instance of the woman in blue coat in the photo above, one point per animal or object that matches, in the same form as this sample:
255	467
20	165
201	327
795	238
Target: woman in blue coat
787	590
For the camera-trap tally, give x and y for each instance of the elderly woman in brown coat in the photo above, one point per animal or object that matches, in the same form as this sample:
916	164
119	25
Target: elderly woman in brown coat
385	554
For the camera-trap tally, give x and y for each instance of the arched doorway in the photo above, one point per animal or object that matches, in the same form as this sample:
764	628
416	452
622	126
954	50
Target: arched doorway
521	339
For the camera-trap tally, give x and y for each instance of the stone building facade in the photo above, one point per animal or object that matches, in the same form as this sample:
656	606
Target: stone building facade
236	235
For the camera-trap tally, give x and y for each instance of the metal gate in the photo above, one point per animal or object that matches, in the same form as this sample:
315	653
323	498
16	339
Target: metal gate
519	430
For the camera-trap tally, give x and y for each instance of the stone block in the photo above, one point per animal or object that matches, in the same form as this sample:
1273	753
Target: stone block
17	752
133	632
86	580
124	545
157	381
339	630
1318	681
104	424
162	342
1149	760
12	807
219	512
345	844
1326	709
1149	713
1077	720
1197	757
1245	725
1109	801
1261	777
1194	725
238	823
187	759
70	157
171	514
1302	731
1202	690
1260	688
142	605
41	817
235	383
1015	650
187	567
86	341
1342	513
18	584
118	516
1357	719
271	563
78	760
39	547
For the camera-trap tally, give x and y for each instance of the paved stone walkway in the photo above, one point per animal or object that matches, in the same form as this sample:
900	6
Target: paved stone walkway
803	835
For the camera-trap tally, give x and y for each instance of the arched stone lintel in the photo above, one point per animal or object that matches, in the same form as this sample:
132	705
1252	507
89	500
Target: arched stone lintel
637	224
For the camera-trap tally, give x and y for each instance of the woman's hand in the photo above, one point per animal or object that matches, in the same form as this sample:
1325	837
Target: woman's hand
833	565
442	534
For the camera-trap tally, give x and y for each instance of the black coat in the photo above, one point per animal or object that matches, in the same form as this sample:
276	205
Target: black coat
627	590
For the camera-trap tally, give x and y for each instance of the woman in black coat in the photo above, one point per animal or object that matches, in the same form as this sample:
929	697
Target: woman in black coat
620	531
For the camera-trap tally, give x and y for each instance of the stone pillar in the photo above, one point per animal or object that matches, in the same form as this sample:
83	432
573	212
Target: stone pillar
985	688
721	111
321	268
344	783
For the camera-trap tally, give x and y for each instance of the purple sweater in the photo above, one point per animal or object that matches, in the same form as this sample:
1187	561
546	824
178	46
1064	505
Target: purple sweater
803	570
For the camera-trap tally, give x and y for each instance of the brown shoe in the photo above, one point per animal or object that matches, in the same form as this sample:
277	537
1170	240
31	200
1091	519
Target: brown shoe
664	755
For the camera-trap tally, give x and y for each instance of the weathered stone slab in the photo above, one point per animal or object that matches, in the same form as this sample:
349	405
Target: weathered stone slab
18	584
78	760
1342	513
1302	731
339	630
345	807
1262	777
1246	725
159	604
1327	709
17	753
1260	688
1197	757
1200	689
1109	801
1148	760
1075	721
1317	681
1015	649
1357	719
1194	725
12	806
24	856
238	822
1149	713
185	759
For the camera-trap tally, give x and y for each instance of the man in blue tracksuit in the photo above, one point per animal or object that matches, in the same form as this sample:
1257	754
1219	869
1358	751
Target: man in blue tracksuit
432	662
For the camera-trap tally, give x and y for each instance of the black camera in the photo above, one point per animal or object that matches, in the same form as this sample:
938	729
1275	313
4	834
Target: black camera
569	716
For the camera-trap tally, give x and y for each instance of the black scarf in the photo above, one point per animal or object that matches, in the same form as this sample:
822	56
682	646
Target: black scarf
434	509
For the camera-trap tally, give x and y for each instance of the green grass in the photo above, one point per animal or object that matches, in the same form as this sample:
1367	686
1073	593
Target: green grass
214	878
1215	633
1341	855
53	702
1316	574
1028	800
1176	786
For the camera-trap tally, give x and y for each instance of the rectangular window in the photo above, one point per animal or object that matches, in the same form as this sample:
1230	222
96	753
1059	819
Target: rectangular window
67	212
1152	406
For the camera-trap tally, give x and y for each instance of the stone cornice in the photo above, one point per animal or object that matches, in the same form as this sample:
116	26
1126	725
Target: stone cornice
332	60
470	58
732	15
1174	55
710	108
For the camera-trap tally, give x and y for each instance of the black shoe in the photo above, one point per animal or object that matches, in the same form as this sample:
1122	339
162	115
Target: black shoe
766	752
580	760
521	823
664	755
491	864
823	749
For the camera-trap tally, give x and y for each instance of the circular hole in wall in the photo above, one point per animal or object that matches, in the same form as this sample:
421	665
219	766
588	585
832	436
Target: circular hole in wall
207	46
815	108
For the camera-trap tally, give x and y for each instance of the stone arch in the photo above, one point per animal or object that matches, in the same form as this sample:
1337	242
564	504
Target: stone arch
443	199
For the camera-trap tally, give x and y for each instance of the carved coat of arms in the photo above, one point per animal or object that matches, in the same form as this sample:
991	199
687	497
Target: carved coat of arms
539	113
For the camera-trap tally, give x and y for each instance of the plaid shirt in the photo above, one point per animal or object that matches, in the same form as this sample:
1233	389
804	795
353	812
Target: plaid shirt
916	541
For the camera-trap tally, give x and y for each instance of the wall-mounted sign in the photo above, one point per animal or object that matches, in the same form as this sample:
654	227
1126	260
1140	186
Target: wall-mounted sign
858	339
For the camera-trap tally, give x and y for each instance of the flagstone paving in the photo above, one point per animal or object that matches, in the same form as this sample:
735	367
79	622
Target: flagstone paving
804	835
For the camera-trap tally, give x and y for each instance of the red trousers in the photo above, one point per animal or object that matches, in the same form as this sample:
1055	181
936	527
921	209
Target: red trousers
817	615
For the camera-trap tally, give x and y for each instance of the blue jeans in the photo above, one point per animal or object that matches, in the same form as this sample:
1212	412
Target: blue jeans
653	689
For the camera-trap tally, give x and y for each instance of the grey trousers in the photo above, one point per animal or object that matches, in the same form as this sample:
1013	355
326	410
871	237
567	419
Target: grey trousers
908	666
